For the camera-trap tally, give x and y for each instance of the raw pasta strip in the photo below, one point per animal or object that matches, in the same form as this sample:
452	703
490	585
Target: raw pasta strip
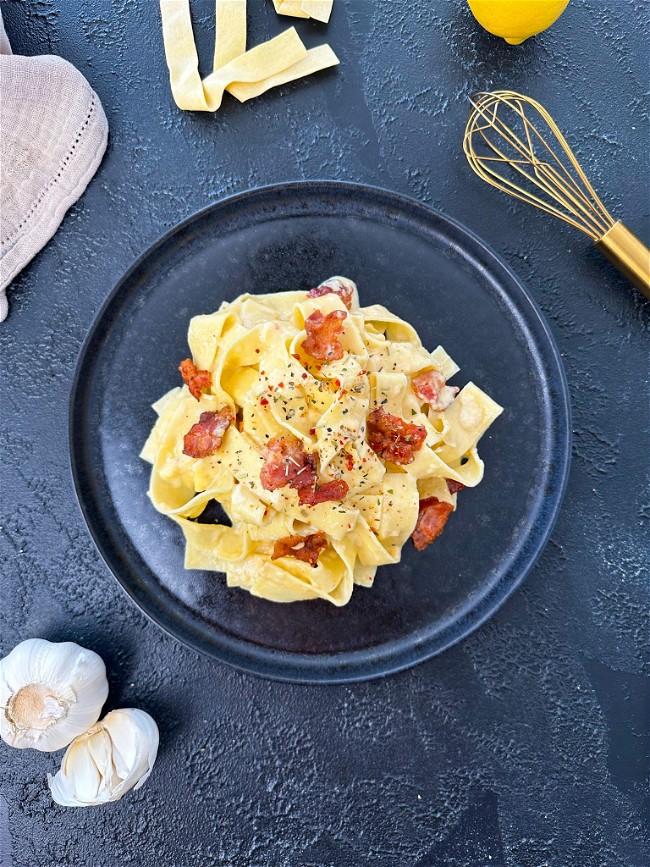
182	59
318	9
230	35
264	60
243	73
255	66
321	57
290	7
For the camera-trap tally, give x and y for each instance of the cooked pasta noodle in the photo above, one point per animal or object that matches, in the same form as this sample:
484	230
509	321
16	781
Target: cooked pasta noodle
330	430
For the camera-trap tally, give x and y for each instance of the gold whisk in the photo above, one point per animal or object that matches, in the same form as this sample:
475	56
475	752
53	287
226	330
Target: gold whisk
509	142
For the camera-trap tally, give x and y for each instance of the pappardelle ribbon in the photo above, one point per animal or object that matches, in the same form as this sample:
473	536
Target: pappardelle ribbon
244	74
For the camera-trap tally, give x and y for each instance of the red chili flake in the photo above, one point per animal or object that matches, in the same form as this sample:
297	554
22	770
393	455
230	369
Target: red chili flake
257	350
335	490
204	438
431	522
295	355
198	381
304	376
264	402
312	431
349	460
280	385
394	439
430	386
337	383
305	548
454	486
322	335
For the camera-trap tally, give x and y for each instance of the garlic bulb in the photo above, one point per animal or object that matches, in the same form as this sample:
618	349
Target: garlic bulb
115	755
49	693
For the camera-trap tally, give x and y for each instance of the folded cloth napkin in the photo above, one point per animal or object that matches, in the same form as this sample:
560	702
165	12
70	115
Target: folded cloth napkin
53	135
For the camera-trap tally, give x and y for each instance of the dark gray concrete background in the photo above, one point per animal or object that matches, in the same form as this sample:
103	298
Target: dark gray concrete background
526	745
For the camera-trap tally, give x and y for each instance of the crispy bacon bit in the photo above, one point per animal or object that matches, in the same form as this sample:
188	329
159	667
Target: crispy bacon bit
394	439
333	287
431	522
305	548
335	490
454	486
204	438
322	335
430	386
198	381
287	463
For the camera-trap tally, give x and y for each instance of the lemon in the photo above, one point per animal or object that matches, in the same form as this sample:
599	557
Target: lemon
516	20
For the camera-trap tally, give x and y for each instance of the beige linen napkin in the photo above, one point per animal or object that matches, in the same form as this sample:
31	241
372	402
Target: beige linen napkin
53	134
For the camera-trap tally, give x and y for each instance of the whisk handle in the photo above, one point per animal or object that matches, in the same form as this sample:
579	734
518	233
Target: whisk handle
628	254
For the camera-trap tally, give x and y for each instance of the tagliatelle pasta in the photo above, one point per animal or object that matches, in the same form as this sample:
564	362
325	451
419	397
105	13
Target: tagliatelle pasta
320	10
315	60
325	430
244	74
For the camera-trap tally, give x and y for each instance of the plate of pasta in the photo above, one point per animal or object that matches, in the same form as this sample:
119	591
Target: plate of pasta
341	476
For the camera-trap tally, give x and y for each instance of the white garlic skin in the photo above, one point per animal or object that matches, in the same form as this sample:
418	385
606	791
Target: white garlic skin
117	754
49	693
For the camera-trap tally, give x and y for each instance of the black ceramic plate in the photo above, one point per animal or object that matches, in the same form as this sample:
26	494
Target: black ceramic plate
428	270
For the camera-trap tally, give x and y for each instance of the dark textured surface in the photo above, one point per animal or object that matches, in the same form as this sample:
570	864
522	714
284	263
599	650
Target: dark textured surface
526	745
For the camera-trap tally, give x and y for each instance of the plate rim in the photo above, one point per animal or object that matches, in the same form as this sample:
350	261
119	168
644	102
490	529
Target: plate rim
342	666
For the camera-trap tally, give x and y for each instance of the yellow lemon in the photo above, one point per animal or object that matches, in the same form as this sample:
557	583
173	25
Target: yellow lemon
516	20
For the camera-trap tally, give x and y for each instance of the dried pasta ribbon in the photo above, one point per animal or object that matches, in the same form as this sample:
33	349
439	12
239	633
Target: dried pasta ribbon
290	7
182	59
321	57
230	36
243	73
255	66
318	9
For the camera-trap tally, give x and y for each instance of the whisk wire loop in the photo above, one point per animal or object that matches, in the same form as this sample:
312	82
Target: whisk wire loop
532	161
565	190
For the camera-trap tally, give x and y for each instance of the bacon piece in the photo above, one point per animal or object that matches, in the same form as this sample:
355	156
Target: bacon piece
305	548
204	438
287	463
198	381
430	386
335	490
431	521
322	335
334	287
454	486
394	439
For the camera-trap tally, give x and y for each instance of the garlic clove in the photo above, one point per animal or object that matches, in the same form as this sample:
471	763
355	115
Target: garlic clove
49	693
117	754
